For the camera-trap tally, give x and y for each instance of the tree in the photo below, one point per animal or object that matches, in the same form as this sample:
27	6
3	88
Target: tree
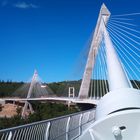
18	110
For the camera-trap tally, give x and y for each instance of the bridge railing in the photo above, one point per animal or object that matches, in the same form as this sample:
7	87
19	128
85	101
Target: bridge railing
68	127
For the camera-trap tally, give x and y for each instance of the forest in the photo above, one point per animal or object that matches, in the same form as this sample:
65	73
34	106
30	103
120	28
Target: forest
42	111
8	88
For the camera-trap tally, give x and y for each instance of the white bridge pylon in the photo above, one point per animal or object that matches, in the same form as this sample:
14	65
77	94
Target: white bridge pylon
33	82
117	77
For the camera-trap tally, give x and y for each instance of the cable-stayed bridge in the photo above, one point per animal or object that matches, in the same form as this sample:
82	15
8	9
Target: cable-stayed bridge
113	63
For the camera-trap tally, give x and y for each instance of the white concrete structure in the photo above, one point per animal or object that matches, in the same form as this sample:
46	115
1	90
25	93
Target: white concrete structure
27	104
121	99
117	77
97	38
118	112
61	99
71	92
123	125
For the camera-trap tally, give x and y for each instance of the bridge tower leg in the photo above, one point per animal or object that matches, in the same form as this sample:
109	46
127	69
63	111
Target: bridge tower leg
97	37
117	76
27	104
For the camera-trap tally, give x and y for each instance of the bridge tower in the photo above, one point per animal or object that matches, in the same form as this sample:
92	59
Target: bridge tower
117	77
115	110
119	85
27	104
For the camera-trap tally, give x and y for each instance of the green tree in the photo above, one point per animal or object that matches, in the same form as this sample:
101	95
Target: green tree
18	110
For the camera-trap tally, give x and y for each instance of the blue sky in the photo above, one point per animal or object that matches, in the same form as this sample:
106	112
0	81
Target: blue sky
48	35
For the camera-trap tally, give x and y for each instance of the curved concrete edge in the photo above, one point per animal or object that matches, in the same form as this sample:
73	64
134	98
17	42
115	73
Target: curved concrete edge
113	101
123	125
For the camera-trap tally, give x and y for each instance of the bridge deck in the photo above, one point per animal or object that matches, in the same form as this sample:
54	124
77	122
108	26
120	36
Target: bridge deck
67	99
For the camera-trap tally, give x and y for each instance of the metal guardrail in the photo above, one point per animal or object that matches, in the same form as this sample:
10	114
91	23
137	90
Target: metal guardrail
67	127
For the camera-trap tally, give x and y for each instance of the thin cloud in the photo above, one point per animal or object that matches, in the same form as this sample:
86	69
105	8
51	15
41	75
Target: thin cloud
24	5
4	3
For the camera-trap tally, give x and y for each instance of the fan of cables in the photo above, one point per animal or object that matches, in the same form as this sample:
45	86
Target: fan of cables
125	35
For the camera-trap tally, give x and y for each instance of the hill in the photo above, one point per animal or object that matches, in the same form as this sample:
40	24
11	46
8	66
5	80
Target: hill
7	89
